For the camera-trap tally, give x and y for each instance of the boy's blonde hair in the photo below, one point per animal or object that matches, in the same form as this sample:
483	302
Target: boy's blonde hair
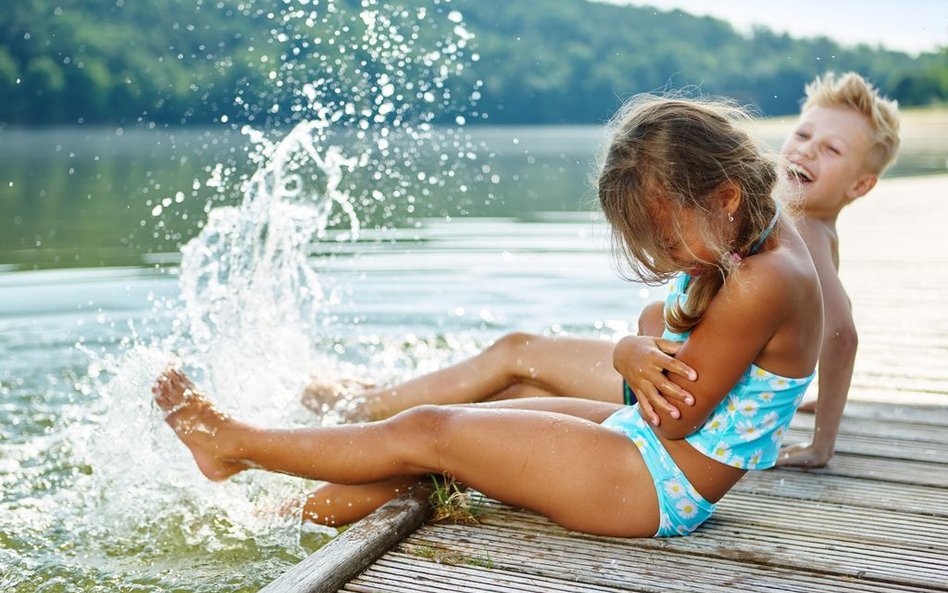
852	91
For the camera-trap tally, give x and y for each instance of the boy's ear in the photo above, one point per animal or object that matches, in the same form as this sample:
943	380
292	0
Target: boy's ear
861	187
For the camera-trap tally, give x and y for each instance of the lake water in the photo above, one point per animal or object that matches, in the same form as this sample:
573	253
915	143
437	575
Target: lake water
96	493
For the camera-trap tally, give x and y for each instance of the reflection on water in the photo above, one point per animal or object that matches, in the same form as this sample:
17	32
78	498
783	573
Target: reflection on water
84	197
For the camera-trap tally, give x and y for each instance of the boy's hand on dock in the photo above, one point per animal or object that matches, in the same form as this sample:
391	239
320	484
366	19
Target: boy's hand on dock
802	455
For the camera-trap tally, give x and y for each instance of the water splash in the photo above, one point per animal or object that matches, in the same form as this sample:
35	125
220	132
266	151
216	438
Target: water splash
249	295
246	323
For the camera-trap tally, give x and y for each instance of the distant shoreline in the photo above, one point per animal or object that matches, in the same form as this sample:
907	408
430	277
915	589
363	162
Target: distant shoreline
911	117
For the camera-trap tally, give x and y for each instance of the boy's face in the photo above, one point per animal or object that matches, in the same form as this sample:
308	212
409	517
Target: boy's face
827	153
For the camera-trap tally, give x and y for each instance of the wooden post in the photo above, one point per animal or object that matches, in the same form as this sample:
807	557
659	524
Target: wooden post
343	558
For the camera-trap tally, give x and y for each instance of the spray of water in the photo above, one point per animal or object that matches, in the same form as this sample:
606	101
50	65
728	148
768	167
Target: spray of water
359	88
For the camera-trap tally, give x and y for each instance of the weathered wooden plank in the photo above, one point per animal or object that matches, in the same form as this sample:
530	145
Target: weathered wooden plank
666	563
915	359
901	431
872	494
902	471
895	412
922	549
881	446
330	567
398	572
834	521
898	385
654	571
895	396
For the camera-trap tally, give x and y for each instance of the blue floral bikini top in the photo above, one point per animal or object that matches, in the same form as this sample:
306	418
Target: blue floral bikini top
746	428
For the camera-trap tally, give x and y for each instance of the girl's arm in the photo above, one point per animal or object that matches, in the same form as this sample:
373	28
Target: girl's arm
746	313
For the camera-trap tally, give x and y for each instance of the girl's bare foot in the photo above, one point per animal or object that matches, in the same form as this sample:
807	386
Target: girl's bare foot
205	431
342	396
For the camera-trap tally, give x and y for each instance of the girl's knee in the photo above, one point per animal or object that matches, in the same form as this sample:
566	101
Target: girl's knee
420	429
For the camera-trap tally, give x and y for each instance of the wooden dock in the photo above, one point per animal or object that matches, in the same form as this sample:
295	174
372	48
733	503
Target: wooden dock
876	519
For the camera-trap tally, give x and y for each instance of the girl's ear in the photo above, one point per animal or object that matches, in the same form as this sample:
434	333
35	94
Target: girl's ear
729	197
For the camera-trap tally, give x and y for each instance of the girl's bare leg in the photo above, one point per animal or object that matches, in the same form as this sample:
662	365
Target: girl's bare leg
341	504
517	365
572	470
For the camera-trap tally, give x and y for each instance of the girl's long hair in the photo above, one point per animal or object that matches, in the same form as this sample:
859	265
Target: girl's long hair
667	155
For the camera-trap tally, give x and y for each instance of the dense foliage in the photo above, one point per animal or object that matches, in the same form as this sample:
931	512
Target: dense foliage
556	61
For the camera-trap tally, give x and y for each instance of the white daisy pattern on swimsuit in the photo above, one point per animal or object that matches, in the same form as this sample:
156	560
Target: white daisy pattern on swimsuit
754	460
718	422
687	509
747	430
675	488
747	407
732	404
721	452
682	509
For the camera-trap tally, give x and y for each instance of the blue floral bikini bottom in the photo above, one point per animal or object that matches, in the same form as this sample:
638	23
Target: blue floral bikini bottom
681	507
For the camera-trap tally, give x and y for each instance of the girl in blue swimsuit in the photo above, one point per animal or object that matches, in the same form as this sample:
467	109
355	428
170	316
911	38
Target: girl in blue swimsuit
689	197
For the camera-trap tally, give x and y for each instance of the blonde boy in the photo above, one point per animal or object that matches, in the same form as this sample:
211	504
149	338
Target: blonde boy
846	136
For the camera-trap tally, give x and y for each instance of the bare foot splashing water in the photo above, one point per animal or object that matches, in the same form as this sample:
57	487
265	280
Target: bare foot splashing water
202	428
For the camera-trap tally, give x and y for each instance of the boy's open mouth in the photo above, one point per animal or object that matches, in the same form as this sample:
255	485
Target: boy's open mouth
799	173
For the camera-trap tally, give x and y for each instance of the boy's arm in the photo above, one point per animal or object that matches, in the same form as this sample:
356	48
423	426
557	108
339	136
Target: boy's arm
837	356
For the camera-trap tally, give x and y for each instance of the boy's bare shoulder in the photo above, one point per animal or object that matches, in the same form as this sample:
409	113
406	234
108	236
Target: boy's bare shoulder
822	241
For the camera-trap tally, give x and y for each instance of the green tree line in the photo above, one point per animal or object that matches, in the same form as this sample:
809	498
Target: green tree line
539	61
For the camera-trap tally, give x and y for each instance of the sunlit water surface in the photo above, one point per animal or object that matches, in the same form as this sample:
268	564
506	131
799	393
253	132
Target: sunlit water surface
98	494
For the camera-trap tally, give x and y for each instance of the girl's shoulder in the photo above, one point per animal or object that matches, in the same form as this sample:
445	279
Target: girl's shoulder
786	267
779	280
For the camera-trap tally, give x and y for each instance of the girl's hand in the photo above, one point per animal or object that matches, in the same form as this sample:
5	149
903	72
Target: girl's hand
644	361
